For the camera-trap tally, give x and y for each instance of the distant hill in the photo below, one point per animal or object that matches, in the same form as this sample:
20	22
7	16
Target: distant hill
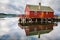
2	15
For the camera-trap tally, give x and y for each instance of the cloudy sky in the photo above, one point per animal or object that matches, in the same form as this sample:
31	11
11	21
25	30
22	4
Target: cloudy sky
17	6
10	27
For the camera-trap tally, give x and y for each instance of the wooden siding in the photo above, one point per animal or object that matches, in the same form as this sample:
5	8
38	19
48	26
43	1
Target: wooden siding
39	14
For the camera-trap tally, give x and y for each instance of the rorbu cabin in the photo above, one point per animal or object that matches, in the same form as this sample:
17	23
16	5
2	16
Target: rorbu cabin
37	13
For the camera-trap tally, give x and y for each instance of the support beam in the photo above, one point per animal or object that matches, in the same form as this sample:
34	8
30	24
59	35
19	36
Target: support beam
31	20
41	20
46	20
23	20
36	20
20	20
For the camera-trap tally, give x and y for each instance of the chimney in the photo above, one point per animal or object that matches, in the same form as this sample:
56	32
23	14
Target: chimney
39	5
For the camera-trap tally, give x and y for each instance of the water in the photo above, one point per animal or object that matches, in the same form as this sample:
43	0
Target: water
9	30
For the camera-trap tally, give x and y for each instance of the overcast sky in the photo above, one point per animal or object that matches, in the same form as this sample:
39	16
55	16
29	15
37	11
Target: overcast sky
17	6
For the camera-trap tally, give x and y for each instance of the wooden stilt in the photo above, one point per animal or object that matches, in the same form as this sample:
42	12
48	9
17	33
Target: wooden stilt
46	20
36	20
41	20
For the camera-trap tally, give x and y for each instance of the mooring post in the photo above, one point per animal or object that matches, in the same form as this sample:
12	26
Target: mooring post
38	34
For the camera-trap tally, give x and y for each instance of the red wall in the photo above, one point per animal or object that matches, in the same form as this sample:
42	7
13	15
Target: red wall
50	14
34	14
27	11
40	14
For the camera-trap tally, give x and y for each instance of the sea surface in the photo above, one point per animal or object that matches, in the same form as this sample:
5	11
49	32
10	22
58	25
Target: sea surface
9	30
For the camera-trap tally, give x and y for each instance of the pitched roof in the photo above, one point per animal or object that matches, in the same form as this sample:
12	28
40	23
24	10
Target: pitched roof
42	8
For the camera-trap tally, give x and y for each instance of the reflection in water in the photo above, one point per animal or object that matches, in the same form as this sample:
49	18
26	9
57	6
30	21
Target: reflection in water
39	29
17	33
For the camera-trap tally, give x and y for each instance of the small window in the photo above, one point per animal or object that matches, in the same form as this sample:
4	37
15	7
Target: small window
35	12
46	12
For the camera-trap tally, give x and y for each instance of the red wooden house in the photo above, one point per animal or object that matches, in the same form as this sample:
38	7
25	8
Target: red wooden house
38	11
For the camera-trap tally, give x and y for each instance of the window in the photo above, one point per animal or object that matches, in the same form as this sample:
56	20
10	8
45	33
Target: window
46	12
35	12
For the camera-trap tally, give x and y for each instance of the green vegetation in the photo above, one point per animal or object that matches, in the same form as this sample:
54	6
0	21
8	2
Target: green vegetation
2	15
